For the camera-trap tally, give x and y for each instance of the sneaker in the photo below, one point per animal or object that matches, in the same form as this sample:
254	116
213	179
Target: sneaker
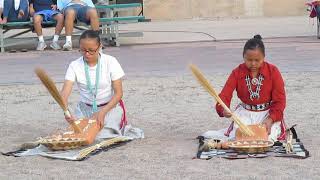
67	46
41	46
55	46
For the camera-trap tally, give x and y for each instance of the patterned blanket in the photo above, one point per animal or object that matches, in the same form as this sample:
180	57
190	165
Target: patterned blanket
279	149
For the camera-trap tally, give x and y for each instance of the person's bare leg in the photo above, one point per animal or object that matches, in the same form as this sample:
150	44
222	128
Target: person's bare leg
69	21
70	16
59	26
37	20
60	22
92	15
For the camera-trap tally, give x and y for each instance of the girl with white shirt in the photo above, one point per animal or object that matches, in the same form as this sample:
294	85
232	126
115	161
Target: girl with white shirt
98	77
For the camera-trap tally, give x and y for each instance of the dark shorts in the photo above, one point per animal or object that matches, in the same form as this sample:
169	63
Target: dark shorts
47	14
81	12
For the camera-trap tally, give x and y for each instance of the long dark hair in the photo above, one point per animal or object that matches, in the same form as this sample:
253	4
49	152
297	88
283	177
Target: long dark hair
254	43
91	34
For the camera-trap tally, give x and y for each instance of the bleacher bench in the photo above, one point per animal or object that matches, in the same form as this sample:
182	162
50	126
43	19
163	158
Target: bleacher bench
109	25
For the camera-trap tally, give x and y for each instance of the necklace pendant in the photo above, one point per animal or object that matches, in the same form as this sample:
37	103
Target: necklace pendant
254	81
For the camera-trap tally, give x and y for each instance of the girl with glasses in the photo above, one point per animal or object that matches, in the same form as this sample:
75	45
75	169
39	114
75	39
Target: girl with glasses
98	77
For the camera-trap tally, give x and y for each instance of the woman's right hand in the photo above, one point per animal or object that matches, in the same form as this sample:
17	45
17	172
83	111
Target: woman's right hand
70	119
226	114
65	93
31	12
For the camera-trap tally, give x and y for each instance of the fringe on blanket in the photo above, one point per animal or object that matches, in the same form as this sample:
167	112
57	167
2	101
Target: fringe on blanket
279	149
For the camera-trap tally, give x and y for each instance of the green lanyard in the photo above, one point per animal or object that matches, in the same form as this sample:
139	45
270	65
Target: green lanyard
89	86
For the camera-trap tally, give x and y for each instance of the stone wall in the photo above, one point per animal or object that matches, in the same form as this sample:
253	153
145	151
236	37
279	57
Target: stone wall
193	9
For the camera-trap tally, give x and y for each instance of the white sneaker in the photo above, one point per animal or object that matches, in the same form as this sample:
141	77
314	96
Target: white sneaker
55	46
41	46
67	46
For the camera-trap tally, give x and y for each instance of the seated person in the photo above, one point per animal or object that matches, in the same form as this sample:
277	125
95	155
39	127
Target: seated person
15	11
80	10
43	11
260	87
317	5
100	98
1	9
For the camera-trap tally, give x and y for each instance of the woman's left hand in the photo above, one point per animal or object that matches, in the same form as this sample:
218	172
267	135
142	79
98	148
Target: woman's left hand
54	7
99	117
268	122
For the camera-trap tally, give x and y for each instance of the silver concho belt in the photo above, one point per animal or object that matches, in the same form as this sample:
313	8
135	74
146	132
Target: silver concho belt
256	107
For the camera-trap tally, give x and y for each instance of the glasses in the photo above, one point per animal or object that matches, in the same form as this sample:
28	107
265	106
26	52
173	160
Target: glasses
91	52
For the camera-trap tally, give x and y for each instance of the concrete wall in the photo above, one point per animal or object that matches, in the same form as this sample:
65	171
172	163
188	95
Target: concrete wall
192	9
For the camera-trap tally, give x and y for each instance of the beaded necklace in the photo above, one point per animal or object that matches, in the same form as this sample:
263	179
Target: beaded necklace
254	81
93	90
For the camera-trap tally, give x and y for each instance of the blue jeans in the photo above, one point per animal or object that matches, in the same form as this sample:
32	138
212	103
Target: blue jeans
318	11
81	12
10	12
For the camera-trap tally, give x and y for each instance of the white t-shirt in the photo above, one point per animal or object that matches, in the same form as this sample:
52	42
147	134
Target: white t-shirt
110	70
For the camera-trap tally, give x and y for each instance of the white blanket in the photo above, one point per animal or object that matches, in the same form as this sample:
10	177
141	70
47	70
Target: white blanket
130	133
247	117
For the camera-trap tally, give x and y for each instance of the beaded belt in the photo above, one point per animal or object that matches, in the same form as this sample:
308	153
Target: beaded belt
99	105
257	107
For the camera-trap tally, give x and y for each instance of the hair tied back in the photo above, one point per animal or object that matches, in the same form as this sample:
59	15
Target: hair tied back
257	36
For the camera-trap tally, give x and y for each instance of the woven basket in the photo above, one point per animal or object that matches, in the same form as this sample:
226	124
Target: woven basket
253	146
71	140
260	133
63	143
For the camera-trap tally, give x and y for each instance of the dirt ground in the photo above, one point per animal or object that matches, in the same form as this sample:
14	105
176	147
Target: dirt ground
173	110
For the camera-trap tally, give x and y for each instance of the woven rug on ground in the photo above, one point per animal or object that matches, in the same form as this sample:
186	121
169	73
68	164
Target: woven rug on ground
70	149
74	154
292	147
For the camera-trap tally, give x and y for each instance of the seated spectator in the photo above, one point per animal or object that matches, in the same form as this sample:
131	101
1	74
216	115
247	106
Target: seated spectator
43	11
1	9
317	6
15	11
79	10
